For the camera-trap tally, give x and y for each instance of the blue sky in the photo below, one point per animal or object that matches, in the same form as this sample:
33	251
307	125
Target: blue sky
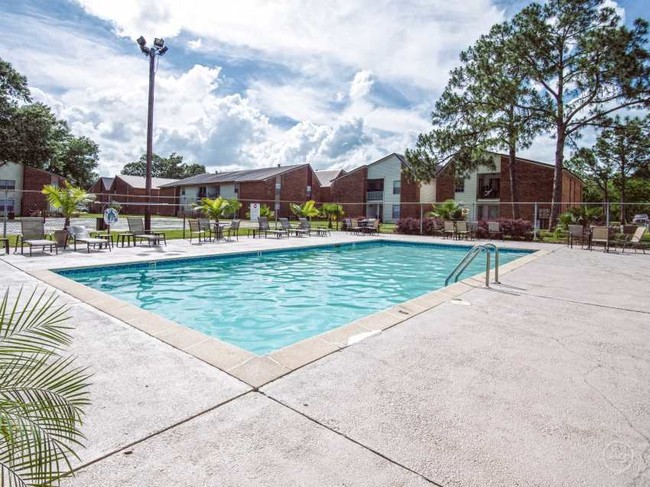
251	83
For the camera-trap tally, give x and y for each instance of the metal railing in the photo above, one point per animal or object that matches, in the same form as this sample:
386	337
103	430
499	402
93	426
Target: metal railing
375	195
469	258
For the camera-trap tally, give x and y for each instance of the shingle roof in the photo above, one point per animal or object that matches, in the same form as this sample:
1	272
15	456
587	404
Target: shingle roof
325	178
140	182
246	175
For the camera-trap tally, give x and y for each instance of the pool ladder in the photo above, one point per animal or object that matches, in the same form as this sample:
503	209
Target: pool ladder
469	258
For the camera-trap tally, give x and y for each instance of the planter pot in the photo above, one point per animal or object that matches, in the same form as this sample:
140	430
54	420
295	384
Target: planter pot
60	237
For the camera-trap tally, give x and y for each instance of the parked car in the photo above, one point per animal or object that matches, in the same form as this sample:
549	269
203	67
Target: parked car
641	219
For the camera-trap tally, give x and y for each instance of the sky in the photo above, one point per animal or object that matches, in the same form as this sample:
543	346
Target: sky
252	83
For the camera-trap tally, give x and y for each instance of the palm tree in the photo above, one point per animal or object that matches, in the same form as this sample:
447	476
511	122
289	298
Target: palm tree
213	208
307	209
332	211
42	392
448	210
69	199
265	210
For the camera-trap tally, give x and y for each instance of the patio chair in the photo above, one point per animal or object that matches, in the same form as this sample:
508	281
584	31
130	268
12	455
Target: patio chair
600	236
494	230
32	234
355	227
371	227
204	225
264	227
438	229
305	225
197	230
79	234
577	234
233	229
473	229
449	229
635	241
286	226
462	230
136	228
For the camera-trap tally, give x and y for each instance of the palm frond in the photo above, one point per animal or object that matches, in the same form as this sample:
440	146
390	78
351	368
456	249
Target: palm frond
42	393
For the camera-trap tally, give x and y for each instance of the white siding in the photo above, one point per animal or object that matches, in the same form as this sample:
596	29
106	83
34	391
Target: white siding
428	192
468	198
389	170
228	191
12	172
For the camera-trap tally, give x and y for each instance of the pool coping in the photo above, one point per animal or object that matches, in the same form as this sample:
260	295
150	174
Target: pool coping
258	370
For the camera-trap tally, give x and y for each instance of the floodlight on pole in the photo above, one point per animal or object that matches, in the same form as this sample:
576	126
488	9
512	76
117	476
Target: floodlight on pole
158	49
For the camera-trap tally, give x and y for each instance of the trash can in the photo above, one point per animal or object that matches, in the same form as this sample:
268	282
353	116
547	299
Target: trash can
100	223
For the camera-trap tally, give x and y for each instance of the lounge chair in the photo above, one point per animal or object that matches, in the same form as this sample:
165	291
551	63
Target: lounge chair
494	230
635	241
371	227
136	227
600	236
462	230
264	227
233	229
577	234
286	226
196	230
79	234
32	234
355	227
449	229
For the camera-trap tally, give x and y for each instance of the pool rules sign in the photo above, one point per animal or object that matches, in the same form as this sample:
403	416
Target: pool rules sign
255	212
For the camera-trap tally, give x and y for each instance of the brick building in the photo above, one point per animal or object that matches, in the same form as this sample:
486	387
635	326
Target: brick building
21	186
325	179
382	190
130	192
276	187
486	191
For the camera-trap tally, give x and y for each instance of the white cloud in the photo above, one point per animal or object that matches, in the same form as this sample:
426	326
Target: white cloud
195	45
361	84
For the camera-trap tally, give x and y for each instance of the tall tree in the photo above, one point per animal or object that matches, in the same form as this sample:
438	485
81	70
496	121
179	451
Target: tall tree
480	110
13	89
76	159
593	170
171	167
586	64
625	146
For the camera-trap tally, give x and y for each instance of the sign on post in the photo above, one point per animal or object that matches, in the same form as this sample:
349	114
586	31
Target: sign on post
255	212
110	216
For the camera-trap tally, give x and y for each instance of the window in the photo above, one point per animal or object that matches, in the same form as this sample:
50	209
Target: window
395	212
8	204
236	188
397	186
7	184
459	184
202	192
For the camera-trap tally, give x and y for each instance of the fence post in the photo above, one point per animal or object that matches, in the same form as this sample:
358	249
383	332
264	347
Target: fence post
421	218
535	223
607	216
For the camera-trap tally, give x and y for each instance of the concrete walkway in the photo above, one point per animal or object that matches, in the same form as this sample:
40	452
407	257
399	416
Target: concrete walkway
543	380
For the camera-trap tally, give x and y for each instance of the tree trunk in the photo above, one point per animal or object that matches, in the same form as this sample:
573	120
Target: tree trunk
623	191
514	193
557	176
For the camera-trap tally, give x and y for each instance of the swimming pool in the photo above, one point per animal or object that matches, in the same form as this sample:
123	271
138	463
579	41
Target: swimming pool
264	301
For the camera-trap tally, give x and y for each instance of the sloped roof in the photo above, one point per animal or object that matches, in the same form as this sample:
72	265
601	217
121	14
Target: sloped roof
140	182
325	178
243	176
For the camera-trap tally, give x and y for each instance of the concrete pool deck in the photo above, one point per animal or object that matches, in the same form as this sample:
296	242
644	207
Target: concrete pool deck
542	380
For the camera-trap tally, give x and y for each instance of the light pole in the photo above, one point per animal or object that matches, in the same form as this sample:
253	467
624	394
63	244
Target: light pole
158	49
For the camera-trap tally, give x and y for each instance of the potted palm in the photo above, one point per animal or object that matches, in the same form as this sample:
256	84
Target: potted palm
213	209
69	200
333	212
448	210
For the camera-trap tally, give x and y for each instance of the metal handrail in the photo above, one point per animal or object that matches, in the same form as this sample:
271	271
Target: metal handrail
469	258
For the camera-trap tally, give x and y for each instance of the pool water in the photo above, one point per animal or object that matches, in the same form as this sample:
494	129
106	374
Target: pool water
264	301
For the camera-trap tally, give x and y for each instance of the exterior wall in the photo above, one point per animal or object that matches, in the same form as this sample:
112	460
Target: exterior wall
571	190
390	170
11	171
33	201
294	188
409	198
102	194
350	190
133	199
262	192
534	184
227	191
